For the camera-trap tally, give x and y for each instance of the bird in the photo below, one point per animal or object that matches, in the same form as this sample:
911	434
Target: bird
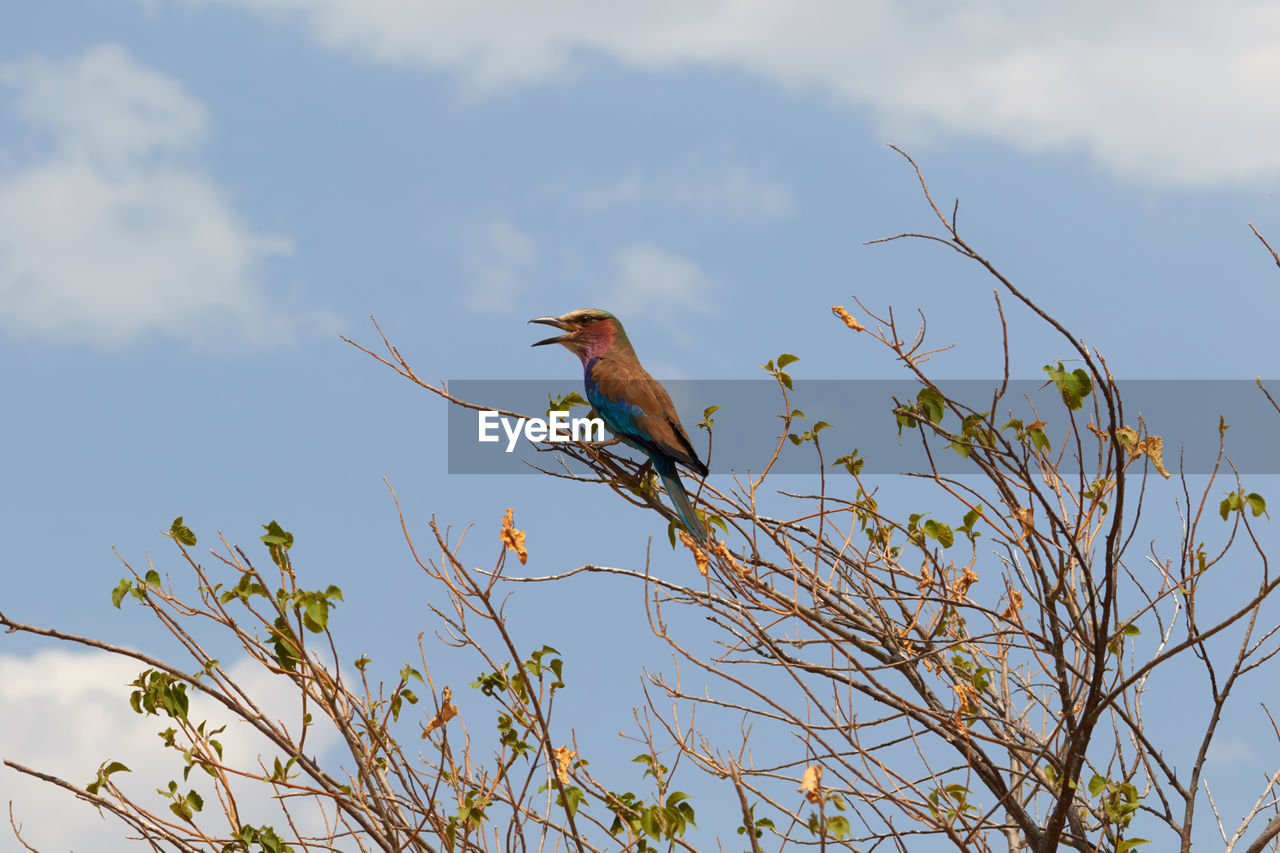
633	405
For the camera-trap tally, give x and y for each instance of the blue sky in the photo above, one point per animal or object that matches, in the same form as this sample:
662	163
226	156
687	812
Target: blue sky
197	198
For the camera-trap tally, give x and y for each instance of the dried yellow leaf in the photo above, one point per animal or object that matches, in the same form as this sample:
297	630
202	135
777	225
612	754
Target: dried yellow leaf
512	538
1025	518
968	696
699	555
722	551
926	579
1153	446
907	647
968	704
1011	612
811	783
843	314
564	757
960	586
447	712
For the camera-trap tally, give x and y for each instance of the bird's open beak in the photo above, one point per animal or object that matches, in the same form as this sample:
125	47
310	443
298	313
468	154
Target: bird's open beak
551	321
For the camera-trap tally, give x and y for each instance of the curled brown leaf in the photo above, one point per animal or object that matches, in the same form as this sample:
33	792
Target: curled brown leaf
843	313
1025	518
447	712
811	783
512	538
699	555
564	757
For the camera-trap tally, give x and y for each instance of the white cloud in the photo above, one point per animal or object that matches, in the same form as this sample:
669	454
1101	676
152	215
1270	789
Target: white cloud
1168	91
65	713
106	106
497	266
722	190
108	236
654	281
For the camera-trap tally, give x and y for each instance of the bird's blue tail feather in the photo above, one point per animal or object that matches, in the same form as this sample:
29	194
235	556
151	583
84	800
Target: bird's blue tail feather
671	482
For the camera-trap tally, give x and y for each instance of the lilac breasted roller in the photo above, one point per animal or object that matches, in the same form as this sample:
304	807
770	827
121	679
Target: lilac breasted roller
634	405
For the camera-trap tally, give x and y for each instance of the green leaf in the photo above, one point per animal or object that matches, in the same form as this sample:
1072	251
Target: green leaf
1073	386
902	417
285	645
180	533
787	358
1130	630
1096	784
103	772
121	590
1130	843
280	772
1256	503
939	531
158	691
931	404
649	823
316	615
571	797
278	542
970	519
276	535
565	403
852	462
1120	802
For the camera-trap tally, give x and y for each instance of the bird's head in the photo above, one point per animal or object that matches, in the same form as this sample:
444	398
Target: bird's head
587	331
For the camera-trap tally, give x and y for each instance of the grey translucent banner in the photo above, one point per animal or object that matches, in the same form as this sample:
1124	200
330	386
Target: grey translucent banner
1184	413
